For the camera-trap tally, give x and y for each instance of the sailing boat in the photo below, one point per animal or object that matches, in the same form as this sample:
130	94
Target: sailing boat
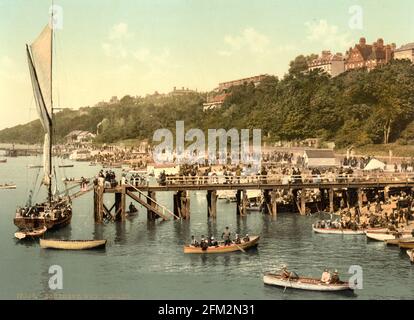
55	211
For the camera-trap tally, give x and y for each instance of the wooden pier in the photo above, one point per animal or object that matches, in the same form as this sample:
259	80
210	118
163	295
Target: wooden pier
349	188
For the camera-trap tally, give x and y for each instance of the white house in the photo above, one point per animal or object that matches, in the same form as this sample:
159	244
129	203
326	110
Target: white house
332	64
319	158
405	52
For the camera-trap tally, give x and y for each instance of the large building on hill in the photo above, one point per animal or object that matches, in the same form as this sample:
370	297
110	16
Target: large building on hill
332	64
368	56
405	52
255	80
181	92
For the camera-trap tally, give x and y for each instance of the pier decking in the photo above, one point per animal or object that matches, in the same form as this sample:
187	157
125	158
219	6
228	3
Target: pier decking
352	186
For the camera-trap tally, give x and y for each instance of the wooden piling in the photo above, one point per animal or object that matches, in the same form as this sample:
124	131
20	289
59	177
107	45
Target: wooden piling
212	203
331	200
151	215
303	202
98	203
360	198
182	204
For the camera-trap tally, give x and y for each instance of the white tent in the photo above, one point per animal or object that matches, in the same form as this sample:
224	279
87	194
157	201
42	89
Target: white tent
375	164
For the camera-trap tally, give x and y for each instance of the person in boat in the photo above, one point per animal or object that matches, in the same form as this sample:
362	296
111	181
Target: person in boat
204	244
286	274
132	208
214	242
326	276
335	278
246	238
237	240
226	236
194	242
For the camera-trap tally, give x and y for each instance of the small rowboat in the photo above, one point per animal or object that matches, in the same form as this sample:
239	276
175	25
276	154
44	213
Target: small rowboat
304	283
66	166
409	244
3	160
337	231
72	244
34	233
34	166
410	254
7	186
396	242
254	241
382	236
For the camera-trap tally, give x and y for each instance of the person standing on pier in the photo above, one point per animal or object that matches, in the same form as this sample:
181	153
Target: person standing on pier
226	236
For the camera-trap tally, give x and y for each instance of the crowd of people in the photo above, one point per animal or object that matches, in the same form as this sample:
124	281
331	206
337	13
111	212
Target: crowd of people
392	214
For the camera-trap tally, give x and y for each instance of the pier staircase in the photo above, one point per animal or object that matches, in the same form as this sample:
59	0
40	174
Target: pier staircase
150	203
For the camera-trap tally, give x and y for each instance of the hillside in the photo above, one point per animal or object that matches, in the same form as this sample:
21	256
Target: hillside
356	108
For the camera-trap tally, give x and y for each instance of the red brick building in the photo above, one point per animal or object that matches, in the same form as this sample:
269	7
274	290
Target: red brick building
368	56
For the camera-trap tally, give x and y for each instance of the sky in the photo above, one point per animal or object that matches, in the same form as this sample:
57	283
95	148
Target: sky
105	48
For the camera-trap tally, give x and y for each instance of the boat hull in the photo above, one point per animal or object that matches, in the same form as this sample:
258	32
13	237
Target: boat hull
378	236
410	254
406	245
72	244
254	241
338	231
35	233
309	284
39	222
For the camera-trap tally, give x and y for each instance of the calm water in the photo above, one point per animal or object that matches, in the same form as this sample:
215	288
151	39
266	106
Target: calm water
144	260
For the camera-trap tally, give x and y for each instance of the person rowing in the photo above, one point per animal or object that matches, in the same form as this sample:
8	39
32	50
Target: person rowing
237	240
246	238
326	276
335	278
286	274
194	242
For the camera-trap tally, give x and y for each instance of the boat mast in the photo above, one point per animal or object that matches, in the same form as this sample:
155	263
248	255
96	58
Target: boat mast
51	108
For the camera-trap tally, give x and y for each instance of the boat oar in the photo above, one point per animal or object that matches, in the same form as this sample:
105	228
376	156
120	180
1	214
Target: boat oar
240	248
286	284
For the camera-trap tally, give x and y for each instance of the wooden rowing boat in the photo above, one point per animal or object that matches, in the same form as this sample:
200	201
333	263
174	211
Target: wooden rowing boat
337	231
7	186
33	233
304	283
3	160
410	254
72	244
254	241
406	245
66	166
382	236
396	242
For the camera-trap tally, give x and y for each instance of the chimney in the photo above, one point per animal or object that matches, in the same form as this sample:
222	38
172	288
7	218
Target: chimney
182	88
362	42
175	88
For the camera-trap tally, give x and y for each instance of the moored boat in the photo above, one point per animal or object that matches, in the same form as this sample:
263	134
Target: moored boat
382	236
410	254
409	244
66	166
33	233
3	160
305	283
253	242
396	242
7	186
338	231
72	244
54	211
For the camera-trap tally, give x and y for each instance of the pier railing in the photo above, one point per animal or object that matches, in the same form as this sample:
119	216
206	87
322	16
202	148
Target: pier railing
289	179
